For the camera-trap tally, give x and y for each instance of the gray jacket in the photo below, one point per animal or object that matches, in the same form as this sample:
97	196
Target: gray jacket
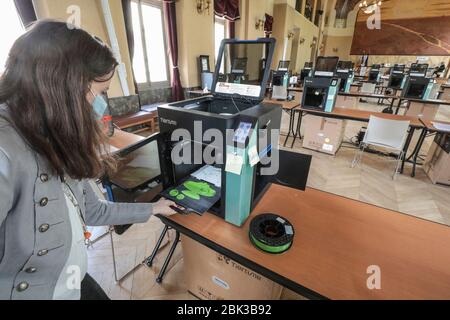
35	232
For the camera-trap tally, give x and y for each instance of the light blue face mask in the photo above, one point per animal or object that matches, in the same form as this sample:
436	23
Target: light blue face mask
100	105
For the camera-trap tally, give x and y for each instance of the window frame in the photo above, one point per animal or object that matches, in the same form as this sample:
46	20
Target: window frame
149	84
222	21
2	70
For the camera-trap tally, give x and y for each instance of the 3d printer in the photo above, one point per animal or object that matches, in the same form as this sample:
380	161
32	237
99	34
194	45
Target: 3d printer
230	185
320	91
280	81
397	77
417	85
306	71
238	72
375	73
346	74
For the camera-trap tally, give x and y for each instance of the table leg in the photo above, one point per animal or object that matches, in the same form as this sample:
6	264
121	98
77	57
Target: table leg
405	149
398	106
149	261
291	125
169	257
299	124
391	107
417	150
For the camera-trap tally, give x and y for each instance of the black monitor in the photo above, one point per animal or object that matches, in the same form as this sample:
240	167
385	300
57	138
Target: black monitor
326	66
398	68
375	67
418	70
283	65
239	66
278	78
304	73
345	66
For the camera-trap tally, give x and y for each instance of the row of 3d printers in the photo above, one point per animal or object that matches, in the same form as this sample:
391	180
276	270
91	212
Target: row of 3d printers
323	82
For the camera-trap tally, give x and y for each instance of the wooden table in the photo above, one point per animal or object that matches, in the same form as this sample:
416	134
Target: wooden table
337	240
122	139
428	128
361	95
364	116
431	101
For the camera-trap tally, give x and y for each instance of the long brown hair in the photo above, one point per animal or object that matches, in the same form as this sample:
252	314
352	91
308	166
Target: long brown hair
44	86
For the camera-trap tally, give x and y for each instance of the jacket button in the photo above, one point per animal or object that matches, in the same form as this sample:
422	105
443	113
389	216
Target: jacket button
42	252
31	270
44	228
43	202
44	177
22	286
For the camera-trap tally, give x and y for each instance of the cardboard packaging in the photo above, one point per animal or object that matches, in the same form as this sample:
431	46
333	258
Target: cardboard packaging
437	164
426	111
323	134
346	102
445	94
354	89
212	276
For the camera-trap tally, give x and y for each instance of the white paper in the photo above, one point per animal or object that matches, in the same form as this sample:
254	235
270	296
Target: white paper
234	164
253	156
441	126
237	88
327	147
209	174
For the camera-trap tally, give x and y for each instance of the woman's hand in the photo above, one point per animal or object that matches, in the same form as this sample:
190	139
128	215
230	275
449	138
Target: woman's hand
162	207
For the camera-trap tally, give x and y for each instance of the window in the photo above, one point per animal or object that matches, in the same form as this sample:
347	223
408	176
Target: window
219	35
150	59
9	20
298	6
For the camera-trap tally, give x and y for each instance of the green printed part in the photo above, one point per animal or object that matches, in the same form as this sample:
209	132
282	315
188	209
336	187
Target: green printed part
180	197
200	188
270	249
174	193
191	194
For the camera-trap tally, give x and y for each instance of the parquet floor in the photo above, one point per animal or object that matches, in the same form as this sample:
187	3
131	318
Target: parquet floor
371	183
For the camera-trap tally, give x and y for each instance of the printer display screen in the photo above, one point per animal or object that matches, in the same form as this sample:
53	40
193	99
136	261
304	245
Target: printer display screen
242	132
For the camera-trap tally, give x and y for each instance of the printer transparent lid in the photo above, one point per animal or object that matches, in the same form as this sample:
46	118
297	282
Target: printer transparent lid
243	68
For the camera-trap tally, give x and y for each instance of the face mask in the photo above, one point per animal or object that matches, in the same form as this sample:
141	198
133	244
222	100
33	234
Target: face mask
99	105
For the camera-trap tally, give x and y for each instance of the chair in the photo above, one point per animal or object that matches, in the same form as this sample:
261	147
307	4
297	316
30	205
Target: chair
386	133
138	179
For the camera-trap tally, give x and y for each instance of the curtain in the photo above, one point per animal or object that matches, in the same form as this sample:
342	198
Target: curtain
231	29
170	18
268	25
128	19
228	9
26	11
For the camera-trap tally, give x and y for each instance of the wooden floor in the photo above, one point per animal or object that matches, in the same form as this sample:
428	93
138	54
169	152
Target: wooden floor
371	183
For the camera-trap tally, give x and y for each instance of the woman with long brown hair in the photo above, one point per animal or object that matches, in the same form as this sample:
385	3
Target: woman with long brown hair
51	97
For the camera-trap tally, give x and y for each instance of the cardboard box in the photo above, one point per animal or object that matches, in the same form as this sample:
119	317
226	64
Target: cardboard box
346	102
212	276
354	89
437	165
323	134
445	94
426	111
